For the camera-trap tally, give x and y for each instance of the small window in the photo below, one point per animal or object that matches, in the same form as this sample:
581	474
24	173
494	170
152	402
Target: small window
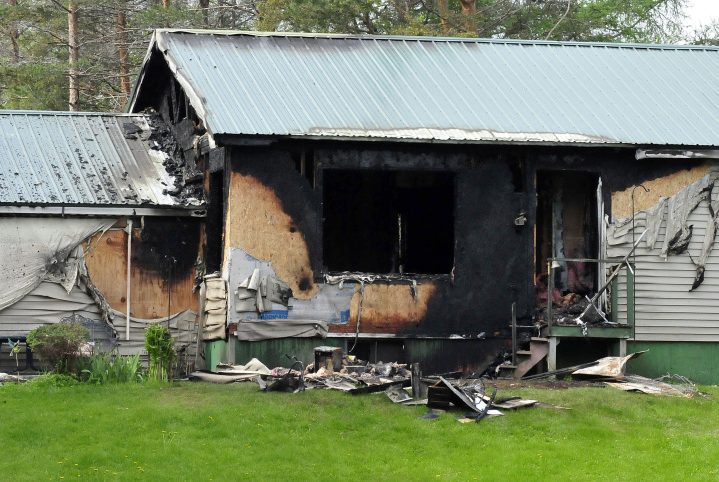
388	221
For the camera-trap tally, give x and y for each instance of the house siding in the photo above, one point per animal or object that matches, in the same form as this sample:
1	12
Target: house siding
665	308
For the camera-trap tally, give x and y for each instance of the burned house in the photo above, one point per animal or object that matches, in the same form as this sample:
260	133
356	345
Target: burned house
407	198
437	200
99	225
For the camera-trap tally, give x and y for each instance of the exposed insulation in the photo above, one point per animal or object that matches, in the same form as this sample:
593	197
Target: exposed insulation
106	265
388	308
257	223
666	186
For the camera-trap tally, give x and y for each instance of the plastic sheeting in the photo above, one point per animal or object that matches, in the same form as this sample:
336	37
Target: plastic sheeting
331	304
35	249
256	330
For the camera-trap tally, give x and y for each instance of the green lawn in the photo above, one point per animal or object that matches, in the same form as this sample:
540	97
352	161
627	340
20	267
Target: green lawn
193	431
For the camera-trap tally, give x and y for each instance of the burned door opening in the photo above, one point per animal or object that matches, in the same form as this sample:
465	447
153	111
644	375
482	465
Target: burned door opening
215	221
567	227
388	221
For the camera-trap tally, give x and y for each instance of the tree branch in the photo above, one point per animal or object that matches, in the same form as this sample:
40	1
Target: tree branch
566	12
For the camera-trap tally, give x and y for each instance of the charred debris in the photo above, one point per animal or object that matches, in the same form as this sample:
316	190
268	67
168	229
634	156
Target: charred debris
178	158
475	396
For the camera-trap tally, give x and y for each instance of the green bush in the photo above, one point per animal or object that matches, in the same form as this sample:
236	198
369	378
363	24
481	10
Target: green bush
160	349
110	367
58	344
53	380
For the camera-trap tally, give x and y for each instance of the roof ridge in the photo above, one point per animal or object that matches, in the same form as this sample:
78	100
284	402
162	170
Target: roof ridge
68	113
495	41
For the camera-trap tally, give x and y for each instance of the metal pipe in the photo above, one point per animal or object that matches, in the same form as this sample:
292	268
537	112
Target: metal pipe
514	333
127	293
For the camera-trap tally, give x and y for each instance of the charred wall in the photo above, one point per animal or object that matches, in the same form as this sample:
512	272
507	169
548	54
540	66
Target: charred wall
275	214
164	254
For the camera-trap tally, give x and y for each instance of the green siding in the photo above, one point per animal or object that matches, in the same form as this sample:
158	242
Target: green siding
272	352
215	353
696	360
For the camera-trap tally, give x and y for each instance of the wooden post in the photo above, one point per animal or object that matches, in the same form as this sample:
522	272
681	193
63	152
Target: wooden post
614	300
552	356
550	292
419	389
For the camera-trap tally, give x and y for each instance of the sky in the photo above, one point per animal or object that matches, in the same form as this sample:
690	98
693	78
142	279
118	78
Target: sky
701	12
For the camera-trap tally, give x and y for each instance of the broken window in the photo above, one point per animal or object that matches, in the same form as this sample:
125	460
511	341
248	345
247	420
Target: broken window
388	221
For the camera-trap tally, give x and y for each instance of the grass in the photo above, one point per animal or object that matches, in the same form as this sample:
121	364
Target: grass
234	432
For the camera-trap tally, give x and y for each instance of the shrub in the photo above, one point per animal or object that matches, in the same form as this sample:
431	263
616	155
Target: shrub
111	367
160	349
58	344
53	380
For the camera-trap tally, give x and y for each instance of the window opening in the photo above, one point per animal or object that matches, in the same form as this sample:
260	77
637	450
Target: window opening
389	222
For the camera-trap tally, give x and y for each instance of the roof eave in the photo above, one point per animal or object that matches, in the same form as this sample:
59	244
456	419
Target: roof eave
74	210
424	38
258	140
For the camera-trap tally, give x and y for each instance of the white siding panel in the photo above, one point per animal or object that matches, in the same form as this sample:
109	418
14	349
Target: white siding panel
665	308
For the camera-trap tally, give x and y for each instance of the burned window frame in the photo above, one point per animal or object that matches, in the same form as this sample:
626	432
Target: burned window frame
450	179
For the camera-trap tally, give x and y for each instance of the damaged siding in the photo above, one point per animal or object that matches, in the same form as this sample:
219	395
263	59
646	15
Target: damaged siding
664	186
258	223
666	309
47	303
162	276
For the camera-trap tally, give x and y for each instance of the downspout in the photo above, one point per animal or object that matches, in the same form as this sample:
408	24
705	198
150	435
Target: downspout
129	264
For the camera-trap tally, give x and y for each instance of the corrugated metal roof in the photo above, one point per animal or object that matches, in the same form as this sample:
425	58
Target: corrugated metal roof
434	89
61	158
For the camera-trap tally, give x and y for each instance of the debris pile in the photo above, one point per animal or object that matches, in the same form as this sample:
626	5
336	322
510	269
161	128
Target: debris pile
565	312
345	373
611	371
469	394
440	393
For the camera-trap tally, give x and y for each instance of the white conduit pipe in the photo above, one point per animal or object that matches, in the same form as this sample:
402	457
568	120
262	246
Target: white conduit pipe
127	294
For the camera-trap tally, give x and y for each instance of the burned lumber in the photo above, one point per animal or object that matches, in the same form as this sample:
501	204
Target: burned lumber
561	371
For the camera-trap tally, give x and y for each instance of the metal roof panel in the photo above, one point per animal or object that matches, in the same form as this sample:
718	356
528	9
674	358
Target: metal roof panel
60	158
459	90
